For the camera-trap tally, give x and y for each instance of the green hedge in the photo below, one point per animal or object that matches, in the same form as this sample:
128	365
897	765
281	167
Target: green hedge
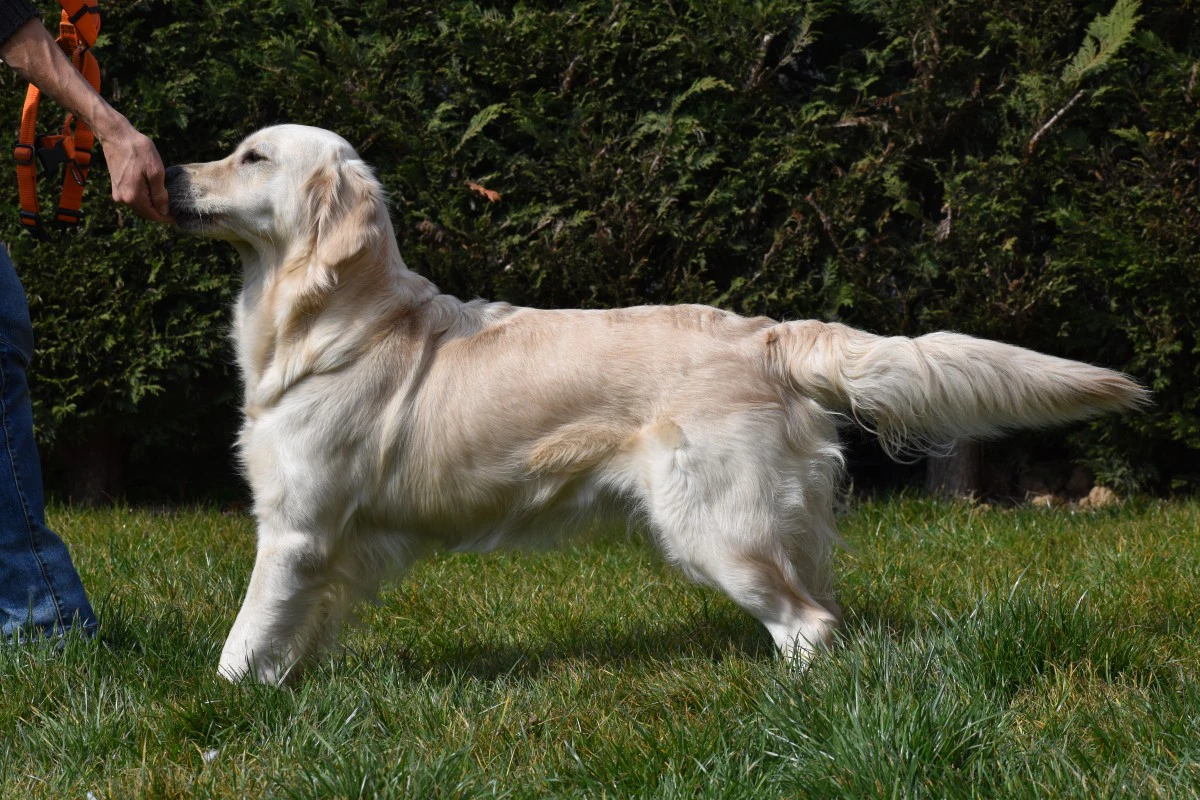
1020	169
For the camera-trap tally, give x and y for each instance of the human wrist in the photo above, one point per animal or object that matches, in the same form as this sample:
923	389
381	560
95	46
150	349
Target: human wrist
108	123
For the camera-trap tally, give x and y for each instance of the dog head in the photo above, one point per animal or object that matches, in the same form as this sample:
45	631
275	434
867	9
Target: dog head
288	193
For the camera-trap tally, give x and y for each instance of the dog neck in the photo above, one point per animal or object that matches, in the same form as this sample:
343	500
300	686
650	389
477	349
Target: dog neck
289	327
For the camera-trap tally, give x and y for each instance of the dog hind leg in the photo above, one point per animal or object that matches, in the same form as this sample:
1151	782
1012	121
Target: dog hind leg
764	583
741	520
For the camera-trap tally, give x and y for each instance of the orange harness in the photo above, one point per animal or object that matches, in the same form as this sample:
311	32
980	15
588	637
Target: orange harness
76	34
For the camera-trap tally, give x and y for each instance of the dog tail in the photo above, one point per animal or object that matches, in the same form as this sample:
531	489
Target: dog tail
923	393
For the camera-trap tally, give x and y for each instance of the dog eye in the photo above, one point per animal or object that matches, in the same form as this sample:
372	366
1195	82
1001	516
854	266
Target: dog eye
252	157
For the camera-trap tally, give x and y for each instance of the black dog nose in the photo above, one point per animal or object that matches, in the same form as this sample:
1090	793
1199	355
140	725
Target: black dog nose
173	174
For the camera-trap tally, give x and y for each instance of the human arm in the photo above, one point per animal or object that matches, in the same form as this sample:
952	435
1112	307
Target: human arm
134	165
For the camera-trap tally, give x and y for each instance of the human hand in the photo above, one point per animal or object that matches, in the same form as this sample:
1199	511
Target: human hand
136	171
133	161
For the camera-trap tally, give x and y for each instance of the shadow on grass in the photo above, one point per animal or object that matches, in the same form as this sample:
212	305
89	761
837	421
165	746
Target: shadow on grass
718	632
713	635
1027	629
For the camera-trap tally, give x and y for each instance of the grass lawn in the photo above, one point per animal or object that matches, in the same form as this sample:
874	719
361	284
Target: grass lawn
986	653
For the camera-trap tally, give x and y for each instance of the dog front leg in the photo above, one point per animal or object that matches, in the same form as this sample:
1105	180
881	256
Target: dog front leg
275	628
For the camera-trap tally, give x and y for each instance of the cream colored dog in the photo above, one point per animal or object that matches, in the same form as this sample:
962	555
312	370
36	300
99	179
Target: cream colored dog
384	419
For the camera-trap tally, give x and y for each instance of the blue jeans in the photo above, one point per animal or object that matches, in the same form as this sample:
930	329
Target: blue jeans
39	588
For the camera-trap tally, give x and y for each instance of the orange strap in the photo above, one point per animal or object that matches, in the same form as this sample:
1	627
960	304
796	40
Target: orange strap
77	31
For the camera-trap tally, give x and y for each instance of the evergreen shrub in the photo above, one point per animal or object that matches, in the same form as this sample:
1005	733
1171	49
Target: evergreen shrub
1019	169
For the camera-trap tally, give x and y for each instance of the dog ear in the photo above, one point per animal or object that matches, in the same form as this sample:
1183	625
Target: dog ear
345	200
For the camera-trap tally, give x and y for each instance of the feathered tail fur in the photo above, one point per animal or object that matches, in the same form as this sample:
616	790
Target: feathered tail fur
924	392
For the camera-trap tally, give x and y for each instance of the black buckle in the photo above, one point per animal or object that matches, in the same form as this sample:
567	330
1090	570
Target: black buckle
85	9
27	159
75	216
33	223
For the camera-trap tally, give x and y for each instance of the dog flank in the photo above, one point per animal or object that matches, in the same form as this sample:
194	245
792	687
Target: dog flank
385	420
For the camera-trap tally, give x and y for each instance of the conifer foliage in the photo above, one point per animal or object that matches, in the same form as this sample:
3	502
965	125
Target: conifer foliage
1020	169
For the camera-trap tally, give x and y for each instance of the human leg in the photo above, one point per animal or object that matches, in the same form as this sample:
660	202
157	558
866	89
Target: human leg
39	587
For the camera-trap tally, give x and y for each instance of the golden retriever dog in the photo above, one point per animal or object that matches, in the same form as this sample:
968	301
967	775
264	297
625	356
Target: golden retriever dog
385	420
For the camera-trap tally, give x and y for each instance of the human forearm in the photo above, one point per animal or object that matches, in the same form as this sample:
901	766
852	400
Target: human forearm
37	58
133	161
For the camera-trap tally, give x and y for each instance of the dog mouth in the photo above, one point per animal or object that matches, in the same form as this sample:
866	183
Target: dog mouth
191	219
